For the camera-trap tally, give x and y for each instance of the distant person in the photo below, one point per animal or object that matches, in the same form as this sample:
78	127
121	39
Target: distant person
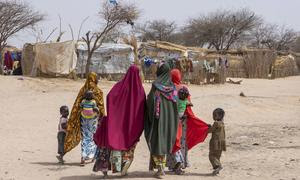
88	121
77	128
62	126
217	142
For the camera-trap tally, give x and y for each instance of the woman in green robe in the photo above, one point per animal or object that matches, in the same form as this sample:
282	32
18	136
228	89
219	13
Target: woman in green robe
161	118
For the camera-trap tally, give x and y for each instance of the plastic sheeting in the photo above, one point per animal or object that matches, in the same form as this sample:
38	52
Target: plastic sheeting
108	59
55	59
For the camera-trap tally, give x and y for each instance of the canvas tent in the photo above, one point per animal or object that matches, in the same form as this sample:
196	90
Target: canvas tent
108	59
49	59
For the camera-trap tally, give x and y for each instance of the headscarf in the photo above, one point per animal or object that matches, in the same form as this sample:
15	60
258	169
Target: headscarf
124	124
163	83
73	135
196	128
176	77
161	116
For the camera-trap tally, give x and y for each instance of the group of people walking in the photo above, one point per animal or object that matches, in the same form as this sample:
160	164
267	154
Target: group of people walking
109	140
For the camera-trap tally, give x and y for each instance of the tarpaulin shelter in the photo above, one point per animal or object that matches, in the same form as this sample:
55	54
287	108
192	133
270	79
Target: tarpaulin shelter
110	58
49	59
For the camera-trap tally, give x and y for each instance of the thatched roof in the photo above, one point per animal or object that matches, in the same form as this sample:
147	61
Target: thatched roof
165	46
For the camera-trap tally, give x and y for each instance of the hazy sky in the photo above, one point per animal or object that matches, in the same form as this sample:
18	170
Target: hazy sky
284	12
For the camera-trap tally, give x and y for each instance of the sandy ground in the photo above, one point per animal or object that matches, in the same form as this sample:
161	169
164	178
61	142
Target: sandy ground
262	129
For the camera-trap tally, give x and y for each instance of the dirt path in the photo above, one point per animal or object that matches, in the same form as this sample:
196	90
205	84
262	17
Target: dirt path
262	129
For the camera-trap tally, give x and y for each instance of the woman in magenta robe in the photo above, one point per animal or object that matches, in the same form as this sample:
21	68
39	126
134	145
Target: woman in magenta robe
120	131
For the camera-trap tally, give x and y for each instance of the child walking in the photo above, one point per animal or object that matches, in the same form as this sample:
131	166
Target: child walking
217	142
62	126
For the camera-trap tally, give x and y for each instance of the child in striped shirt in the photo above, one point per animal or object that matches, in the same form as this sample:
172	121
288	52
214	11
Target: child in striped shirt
89	106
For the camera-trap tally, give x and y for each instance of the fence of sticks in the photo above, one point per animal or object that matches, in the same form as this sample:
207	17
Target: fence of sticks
240	63
258	63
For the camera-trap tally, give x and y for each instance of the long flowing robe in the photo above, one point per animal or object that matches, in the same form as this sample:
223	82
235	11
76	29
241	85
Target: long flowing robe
196	130
125	113
124	124
73	135
161	116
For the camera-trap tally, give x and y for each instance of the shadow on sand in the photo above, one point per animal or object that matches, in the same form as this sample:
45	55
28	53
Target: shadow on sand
199	174
55	164
131	175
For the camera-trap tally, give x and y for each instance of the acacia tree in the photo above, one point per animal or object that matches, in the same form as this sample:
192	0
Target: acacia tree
161	30
113	16
14	17
220	29
274	37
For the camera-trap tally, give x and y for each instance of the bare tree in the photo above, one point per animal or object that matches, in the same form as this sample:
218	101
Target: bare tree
274	37
113	15
220	29
14	17
161	30
114	36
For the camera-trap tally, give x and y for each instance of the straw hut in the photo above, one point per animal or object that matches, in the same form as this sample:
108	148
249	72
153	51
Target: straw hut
285	66
297	59
158	51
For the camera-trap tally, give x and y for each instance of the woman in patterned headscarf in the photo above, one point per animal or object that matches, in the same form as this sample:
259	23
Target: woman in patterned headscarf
161	119
76	132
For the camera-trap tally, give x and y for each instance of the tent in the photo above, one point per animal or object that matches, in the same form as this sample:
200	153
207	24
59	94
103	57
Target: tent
49	59
108	59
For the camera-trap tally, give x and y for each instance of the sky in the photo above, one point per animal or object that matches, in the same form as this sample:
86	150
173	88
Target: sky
282	12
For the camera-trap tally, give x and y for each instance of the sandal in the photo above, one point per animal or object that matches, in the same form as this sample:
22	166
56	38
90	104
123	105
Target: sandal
179	172
82	163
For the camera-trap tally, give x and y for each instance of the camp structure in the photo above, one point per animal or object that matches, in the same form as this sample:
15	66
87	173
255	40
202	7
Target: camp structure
194	63
150	53
110	61
66	59
285	65
261	63
49	59
250	63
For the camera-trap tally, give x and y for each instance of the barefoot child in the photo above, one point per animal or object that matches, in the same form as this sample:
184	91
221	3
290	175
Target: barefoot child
62	126
217	142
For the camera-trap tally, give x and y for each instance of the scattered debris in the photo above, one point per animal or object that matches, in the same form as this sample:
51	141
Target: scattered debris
28	152
242	94
236	143
44	91
255	144
234	82
271	142
293	160
285	147
21	79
